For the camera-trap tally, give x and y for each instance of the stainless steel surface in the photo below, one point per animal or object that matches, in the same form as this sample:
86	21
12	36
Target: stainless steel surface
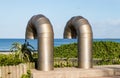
79	27
40	27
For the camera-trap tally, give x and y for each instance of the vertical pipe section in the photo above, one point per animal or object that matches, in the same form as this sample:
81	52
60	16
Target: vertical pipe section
79	27
40	27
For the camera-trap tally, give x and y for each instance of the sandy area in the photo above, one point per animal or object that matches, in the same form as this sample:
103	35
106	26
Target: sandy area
1	52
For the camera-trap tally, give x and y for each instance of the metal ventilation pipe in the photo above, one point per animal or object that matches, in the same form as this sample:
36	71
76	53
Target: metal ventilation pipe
40	27
79	27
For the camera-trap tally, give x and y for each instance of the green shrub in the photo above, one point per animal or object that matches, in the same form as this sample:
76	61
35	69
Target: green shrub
101	49
26	75
107	51
9	60
66	51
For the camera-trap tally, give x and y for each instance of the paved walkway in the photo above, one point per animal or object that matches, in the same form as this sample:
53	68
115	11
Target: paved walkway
107	71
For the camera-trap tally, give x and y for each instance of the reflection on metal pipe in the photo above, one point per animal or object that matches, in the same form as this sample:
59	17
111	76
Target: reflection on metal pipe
40	27
79	27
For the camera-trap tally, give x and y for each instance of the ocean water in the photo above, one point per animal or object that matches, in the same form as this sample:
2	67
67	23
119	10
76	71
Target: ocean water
6	44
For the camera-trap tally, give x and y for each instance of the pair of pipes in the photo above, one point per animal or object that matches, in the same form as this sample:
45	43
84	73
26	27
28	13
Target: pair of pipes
77	27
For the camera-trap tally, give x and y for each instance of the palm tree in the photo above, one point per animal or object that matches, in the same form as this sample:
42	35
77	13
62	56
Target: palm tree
23	51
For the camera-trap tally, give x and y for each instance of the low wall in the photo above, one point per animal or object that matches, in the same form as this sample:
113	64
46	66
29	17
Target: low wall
15	71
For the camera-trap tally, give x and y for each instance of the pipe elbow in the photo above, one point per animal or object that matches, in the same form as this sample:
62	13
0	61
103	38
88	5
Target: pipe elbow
77	26
38	26
83	26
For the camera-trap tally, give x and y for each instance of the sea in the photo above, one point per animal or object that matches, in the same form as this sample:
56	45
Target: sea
6	44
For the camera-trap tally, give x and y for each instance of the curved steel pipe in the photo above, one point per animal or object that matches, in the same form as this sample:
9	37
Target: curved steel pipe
40	27
79	27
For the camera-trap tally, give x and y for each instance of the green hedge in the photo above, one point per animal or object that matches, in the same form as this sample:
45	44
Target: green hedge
107	51
101	49
66	51
8	59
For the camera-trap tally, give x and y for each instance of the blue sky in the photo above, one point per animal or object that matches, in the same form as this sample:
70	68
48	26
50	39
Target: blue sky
103	15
